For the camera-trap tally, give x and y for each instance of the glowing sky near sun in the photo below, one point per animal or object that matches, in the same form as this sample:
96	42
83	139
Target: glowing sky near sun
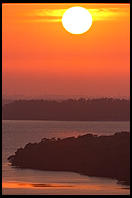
40	57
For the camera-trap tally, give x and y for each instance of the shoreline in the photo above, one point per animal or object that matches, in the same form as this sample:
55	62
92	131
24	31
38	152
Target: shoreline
123	183
74	155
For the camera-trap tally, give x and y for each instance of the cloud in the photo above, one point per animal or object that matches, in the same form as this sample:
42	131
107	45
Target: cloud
33	14
99	14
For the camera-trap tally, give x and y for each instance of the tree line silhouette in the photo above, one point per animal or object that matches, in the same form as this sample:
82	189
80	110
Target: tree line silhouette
100	156
99	109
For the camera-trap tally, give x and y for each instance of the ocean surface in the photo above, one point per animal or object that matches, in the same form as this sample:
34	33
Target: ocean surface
16	134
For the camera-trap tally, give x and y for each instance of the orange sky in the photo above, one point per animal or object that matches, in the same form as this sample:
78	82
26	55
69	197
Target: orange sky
41	58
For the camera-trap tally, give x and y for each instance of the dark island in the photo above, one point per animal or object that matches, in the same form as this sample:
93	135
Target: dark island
100	109
92	155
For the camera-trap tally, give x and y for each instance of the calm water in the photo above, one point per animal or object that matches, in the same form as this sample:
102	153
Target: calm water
18	181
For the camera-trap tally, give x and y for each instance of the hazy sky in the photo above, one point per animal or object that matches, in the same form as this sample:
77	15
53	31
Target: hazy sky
41	58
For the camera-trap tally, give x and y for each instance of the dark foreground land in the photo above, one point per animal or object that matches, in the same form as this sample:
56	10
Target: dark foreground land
92	155
101	109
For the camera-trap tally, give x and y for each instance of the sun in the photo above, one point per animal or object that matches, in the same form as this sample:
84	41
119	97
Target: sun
77	20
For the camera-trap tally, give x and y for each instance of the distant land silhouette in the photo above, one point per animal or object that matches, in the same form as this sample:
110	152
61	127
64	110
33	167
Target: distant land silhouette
101	109
92	155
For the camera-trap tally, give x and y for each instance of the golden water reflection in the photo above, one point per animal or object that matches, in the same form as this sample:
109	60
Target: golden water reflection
13	184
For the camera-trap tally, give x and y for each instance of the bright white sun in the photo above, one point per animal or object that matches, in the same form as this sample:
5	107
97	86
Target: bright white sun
77	20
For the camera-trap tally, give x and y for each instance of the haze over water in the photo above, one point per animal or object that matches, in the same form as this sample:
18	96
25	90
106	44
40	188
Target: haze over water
40	59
